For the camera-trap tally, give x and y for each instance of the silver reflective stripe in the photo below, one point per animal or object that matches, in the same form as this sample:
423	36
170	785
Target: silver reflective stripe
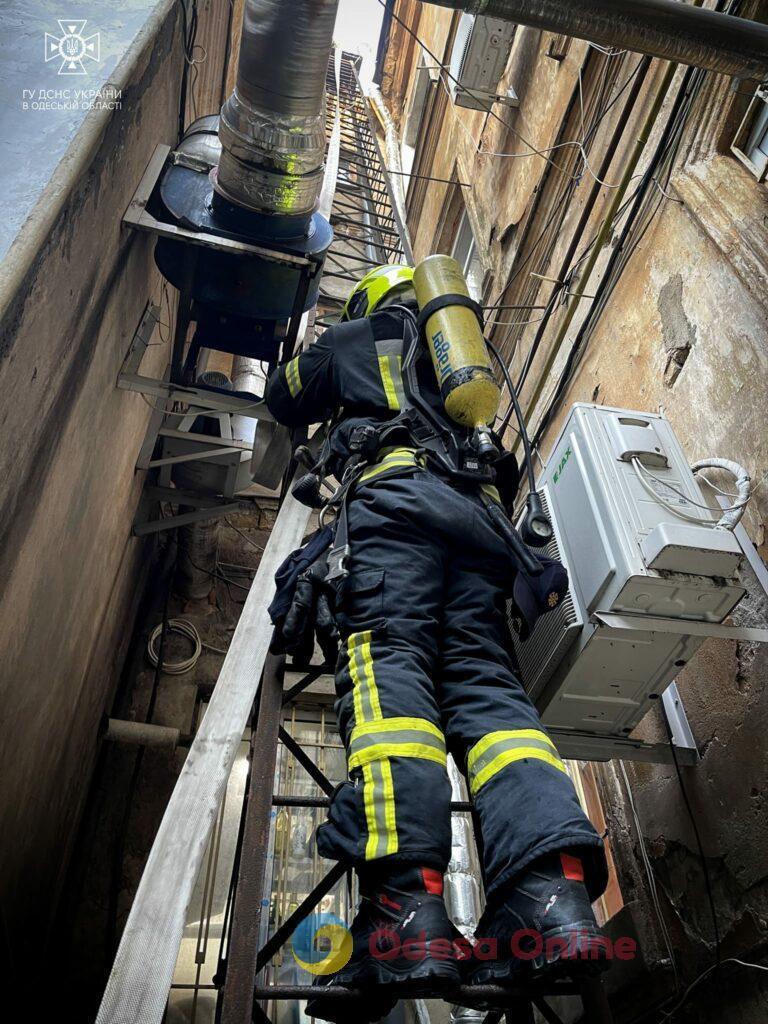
379	835
389	347
360	673
391	350
392	739
502	746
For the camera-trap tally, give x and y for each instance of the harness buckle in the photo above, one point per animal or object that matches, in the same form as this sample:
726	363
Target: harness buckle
338	559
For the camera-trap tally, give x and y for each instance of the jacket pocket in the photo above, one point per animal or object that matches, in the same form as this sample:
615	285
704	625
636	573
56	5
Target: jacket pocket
361	602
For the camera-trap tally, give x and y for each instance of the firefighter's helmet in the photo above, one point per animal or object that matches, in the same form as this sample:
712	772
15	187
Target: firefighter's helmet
377	285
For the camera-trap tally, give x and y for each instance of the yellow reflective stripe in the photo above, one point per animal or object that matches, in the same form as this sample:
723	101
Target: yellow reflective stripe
365	695
390	821
492	492
508	757
378	787
387	382
369	799
492	738
368	675
395	725
383	751
357	687
394	450
293	377
399	458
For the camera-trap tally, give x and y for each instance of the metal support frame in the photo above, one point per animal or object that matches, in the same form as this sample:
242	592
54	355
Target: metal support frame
245	960
177	384
241	964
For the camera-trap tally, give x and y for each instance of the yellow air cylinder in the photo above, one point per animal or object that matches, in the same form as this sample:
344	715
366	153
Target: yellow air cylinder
459	354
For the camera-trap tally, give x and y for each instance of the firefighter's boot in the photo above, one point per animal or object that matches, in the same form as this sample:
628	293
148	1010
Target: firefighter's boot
542	926
402	948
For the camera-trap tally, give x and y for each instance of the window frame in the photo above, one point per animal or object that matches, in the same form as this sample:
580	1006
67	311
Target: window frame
739	145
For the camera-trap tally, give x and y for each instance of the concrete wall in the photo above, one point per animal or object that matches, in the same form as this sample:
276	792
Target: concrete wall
685	331
75	283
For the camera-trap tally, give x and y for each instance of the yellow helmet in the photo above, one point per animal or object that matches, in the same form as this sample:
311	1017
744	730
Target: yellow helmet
377	285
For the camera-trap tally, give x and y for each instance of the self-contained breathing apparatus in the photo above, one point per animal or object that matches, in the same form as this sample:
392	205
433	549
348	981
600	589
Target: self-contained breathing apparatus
464	449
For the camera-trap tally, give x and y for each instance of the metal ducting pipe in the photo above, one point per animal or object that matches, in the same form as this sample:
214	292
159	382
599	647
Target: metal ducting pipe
272	127
462	889
392	146
661	28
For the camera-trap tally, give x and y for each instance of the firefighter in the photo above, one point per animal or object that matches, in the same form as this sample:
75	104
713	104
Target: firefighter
425	670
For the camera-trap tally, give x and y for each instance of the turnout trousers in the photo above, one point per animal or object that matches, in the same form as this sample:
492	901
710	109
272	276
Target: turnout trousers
425	669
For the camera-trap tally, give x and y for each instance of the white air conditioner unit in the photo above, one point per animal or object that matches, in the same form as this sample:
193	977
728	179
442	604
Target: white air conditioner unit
646	587
480	54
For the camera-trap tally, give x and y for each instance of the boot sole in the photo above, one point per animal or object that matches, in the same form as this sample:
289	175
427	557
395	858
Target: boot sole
424	980
586	960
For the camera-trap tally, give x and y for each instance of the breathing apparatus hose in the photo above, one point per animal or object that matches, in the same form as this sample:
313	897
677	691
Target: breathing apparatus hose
537	528
518	414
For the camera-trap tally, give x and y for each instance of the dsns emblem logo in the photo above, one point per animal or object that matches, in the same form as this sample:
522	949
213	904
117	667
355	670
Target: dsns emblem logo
73	47
322	944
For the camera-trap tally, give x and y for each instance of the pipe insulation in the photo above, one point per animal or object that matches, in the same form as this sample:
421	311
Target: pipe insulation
732	515
660	28
272	127
462	889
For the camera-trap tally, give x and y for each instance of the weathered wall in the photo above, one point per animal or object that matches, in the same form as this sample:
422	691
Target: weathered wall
75	285
685	331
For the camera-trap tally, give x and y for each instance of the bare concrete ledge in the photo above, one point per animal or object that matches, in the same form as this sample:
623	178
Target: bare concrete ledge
73	165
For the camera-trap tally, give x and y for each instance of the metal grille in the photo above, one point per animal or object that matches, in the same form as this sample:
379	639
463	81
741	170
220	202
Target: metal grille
539	656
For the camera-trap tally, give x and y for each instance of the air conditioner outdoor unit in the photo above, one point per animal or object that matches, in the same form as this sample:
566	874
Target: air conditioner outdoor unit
480	54
646	587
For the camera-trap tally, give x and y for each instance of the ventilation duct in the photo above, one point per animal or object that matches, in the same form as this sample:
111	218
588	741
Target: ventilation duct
272	127
661	28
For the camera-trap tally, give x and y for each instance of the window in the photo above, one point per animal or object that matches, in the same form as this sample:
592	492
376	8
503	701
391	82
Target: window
424	80
751	142
426	73
465	253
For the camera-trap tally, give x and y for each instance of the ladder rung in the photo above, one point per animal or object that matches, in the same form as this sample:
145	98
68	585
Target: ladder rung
281	800
472	994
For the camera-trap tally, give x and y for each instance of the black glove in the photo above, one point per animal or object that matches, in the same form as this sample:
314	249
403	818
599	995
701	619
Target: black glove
310	614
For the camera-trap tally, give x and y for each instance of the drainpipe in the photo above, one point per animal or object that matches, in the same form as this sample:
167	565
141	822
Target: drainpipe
272	127
659	28
247	375
391	145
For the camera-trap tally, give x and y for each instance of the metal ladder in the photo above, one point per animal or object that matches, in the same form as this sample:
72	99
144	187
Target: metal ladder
242	997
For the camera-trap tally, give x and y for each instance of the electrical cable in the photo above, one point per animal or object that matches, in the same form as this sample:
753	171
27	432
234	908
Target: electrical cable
240	533
699	844
489	109
704	974
518	412
189	24
624	248
650	877
636	80
643	472
642	63
182	627
680	109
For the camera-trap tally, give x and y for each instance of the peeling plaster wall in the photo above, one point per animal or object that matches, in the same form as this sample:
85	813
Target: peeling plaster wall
70	570
685	332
